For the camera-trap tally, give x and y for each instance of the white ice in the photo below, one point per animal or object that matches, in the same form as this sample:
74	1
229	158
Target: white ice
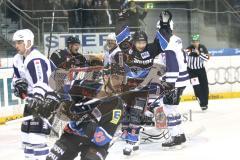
219	141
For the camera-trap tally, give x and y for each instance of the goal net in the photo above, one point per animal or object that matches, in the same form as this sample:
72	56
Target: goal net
79	80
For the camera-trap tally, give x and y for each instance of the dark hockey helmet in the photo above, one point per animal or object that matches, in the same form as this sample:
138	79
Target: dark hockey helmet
139	36
72	40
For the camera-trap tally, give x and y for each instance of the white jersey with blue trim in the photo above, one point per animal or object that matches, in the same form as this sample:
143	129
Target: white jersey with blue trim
109	56
176	63
36	69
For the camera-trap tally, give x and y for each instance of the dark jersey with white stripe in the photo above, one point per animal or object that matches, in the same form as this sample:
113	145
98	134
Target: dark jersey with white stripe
196	61
139	63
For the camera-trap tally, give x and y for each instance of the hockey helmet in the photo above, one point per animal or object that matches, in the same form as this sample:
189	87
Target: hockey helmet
24	35
111	36
139	36
72	40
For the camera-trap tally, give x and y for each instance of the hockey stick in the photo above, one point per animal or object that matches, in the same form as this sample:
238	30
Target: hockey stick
147	137
50	126
120	95
84	69
30	118
87	69
160	96
19	120
52	24
114	140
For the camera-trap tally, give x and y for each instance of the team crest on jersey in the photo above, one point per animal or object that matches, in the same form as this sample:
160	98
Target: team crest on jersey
99	136
116	116
145	55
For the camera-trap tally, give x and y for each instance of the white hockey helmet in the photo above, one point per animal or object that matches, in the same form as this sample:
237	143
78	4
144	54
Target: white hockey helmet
111	36
24	35
171	25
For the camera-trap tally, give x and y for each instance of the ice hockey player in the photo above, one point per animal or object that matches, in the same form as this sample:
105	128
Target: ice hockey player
31	72
177	77
139	62
111	49
90	130
137	67
69	57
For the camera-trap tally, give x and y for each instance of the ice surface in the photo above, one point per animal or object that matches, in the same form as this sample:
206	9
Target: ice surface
219	141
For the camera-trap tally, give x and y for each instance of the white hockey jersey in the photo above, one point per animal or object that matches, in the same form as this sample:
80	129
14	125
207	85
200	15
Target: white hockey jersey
109	56
36	69
176	63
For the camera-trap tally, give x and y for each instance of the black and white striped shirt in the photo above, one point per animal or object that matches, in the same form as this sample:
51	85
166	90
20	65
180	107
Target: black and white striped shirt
196	61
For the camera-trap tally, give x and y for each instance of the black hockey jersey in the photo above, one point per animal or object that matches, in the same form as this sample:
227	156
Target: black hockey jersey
64	59
138	63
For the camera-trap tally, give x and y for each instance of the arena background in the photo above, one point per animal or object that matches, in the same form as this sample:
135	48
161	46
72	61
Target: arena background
216	21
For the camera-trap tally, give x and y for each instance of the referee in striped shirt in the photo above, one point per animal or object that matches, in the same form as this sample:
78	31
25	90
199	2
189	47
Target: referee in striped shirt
197	55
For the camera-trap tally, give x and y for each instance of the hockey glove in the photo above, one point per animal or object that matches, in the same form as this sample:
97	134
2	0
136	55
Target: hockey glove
165	29
20	88
34	104
166	86
125	46
70	63
51	104
165	19
80	61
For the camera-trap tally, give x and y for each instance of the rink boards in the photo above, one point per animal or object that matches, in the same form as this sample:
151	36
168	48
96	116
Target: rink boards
223	74
11	107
